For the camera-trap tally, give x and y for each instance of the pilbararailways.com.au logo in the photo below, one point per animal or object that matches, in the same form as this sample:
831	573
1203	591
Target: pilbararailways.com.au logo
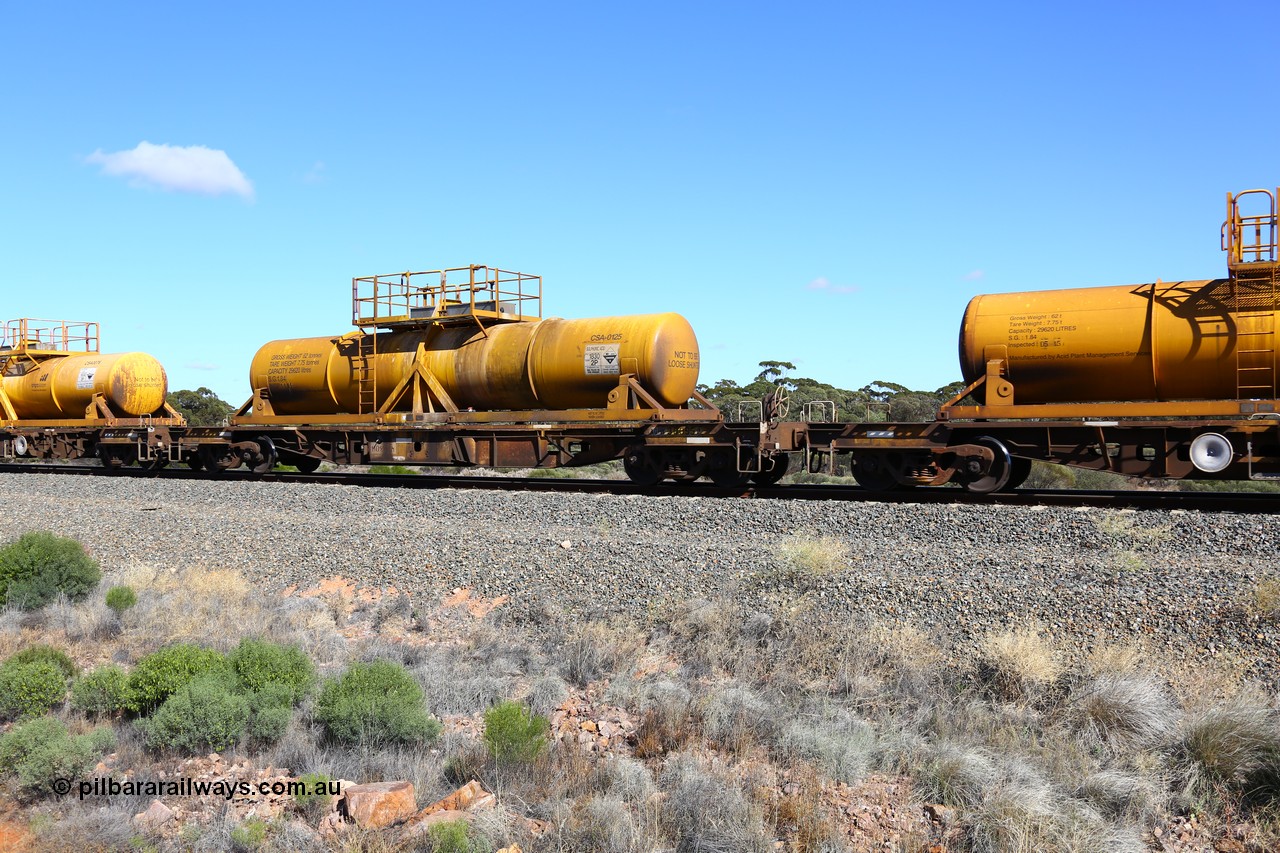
229	789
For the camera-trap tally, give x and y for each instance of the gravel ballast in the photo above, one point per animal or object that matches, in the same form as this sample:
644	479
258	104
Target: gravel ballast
1182	582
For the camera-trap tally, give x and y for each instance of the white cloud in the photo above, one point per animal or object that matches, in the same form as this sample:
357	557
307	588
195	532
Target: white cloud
973	276
316	175
188	169
821	283
201	365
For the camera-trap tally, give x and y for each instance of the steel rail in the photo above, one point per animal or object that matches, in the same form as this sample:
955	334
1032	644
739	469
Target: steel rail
1240	502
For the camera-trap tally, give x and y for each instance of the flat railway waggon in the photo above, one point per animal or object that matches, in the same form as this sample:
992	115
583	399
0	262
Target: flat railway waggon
61	398
458	367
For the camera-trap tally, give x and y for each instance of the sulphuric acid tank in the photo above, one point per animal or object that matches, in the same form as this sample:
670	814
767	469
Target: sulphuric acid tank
1163	341
546	364
61	387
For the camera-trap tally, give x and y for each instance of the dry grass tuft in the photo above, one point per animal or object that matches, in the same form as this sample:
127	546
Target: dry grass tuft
705	810
799	817
664	726
1124	712
1265	599
1018	665
1122	795
737	717
800	556
595	650
1228	750
1106	658
1121	526
207	606
956	776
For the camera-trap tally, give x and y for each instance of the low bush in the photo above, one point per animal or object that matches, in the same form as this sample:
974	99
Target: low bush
30	689
47	654
600	822
592	652
453	836
705	810
270	710
41	751
513	734
38	566
160	674
258	664
203	715
121	598
737	717
313	801
102	692
375	703
249	836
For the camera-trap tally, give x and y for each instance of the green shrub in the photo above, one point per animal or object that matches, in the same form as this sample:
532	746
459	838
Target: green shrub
40	751
249	835
30	689
313	800
102	692
375	702
158	675
258	663
513	733
269	711
201	716
121	598
47	654
38	566
452	836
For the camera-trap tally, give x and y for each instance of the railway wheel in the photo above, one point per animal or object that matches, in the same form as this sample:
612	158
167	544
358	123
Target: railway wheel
1001	469
195	463
642	467
264	458
722	468
1018	472
305	464
215	458
871	472
772	469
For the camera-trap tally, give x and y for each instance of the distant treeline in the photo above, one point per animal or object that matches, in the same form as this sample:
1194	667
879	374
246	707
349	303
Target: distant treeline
879	401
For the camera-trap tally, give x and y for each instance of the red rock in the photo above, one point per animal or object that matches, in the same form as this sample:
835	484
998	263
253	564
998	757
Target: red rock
156	816
378	804
470	796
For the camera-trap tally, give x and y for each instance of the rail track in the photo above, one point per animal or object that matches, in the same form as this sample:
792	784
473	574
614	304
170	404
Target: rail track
1239	502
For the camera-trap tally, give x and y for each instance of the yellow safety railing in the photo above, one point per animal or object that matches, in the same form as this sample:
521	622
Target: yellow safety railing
478	290
1250	238
28	334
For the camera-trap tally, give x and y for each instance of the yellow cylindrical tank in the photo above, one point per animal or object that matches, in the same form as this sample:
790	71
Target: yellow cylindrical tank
132	383
1162	341
547	364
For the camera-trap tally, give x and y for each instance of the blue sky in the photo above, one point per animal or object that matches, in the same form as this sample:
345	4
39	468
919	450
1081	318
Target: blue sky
825	183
